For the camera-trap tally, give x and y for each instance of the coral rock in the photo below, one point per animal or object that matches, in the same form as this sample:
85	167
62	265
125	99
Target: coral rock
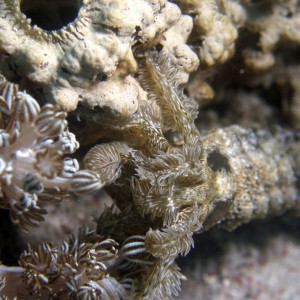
68	58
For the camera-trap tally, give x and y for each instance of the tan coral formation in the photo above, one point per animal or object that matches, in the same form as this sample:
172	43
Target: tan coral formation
218	25
68	58
257	167
277	22
286	78
126	62
214	28
74	60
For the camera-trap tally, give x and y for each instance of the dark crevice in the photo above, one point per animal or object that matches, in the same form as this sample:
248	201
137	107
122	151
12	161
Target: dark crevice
50	15
218	162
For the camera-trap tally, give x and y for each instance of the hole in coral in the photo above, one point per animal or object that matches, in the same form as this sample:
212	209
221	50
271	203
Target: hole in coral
159	47
102	77
50	14
218	161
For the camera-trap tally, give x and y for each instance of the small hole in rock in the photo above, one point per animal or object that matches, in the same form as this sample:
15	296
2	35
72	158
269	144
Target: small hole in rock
102	77
218	161
159	47
50	14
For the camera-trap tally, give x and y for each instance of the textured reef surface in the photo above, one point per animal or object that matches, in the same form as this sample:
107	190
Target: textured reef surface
177	118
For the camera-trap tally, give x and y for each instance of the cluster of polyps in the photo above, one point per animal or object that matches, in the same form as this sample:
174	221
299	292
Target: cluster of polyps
33	166
83	269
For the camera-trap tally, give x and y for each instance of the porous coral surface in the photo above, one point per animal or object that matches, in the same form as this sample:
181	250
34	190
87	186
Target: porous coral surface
84	55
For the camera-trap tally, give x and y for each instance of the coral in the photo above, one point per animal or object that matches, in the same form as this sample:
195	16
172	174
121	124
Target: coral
78	271
277	23
284	77
84	56
225	178
215	26
264	171
33	167
126	63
